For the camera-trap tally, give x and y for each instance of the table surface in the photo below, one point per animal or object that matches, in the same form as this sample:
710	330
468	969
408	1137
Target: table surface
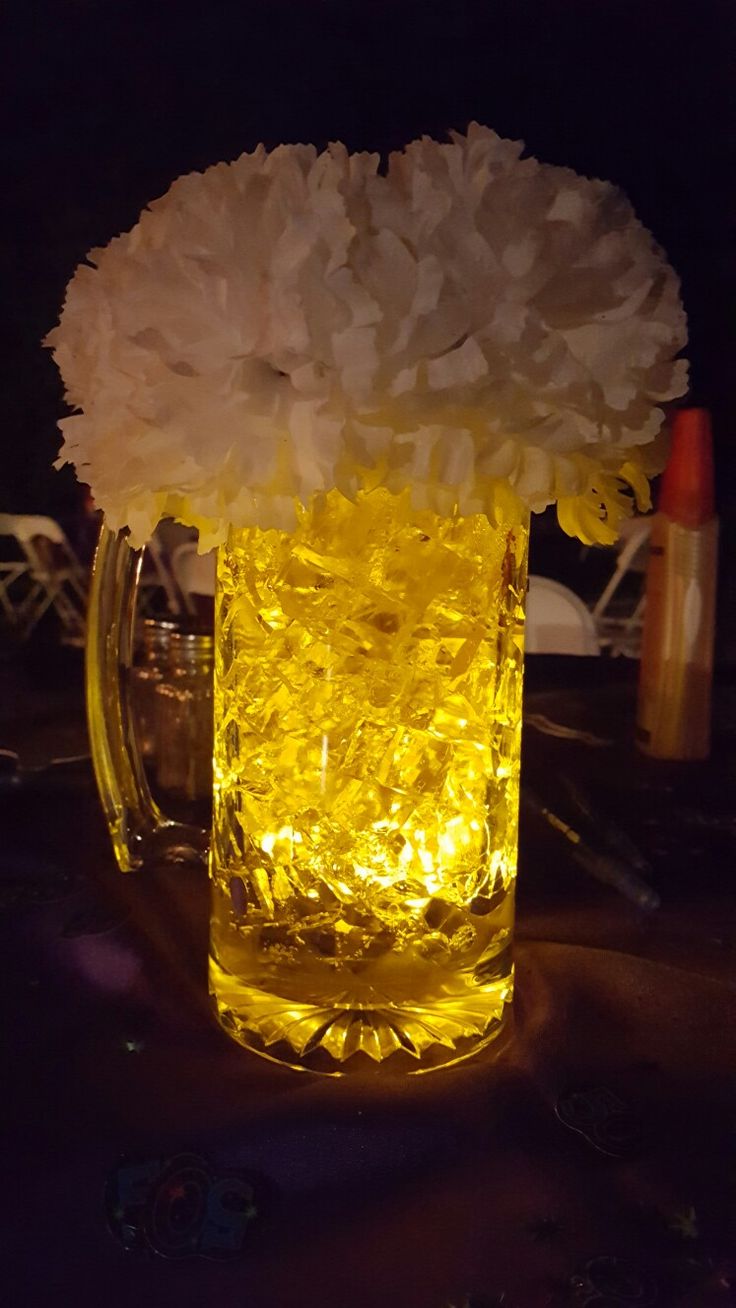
591	1161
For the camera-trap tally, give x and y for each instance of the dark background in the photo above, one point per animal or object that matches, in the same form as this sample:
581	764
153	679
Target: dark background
109	102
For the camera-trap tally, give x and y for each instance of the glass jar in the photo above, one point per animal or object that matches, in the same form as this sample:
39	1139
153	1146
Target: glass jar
184	717
145	675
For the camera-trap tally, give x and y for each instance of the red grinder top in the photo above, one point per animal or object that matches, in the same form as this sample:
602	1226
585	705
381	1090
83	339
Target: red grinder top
687	492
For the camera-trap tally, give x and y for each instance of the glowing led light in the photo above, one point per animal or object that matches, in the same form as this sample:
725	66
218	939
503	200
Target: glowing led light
372	801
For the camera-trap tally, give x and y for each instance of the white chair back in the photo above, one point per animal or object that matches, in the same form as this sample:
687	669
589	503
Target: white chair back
194	573
157	576
27	527
557	621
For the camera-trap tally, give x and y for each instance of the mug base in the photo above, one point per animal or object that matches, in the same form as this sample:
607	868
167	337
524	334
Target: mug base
340	1038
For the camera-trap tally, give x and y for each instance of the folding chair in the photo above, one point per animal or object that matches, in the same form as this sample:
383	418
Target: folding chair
619	623
194	573
53	575
557	621
12	572
157	576
158	579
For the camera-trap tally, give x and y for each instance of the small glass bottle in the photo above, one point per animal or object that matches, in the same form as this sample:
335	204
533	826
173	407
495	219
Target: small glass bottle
184	717
145	675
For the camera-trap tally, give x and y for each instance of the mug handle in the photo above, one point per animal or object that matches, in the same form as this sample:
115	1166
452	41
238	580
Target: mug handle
141	833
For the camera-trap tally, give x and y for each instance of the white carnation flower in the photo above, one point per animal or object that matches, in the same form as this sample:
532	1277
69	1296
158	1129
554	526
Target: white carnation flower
480	327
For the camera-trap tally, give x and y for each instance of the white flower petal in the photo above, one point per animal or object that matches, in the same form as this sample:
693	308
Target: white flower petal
458	367
463	321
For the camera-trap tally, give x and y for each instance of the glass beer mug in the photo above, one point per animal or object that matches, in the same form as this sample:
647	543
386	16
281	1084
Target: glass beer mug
367	702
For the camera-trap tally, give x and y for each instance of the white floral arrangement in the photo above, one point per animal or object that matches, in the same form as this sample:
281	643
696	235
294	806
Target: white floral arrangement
485	329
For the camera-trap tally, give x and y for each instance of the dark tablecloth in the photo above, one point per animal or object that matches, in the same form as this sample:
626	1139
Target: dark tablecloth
591	1160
